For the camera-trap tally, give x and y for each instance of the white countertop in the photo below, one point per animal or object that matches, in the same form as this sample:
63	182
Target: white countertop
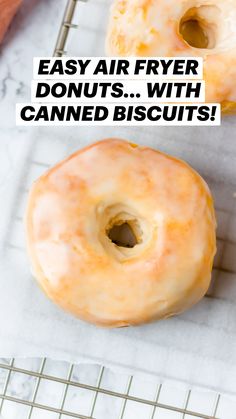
33	32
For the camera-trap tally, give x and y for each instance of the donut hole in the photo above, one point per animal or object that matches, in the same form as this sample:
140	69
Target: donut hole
122	235
194	34
196	30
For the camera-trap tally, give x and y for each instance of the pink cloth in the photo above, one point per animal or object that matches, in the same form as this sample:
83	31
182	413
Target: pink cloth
8	9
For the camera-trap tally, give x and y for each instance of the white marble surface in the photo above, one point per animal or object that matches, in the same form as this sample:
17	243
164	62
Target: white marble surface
32	32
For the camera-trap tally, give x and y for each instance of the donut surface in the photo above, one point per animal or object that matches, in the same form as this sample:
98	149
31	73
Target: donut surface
120	234
181	28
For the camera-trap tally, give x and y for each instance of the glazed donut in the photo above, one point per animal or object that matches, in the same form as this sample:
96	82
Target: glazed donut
181	28
120	234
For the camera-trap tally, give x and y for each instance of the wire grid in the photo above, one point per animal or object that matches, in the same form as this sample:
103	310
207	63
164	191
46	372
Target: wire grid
41	156
31	390
65	28
30	394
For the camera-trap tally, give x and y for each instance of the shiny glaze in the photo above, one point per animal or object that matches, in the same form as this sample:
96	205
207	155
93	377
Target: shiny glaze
152	28
77	265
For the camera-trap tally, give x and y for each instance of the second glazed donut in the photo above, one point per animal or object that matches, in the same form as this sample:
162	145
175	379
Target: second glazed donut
181	28
121	235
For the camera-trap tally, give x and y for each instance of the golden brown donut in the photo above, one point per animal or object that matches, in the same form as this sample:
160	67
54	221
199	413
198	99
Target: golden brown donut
181	28
120	234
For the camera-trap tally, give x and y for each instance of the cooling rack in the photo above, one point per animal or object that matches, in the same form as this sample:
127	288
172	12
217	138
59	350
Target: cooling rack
47	389
66	26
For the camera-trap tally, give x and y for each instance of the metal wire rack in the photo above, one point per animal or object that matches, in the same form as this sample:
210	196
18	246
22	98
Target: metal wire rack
92	391
42	388
66	25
